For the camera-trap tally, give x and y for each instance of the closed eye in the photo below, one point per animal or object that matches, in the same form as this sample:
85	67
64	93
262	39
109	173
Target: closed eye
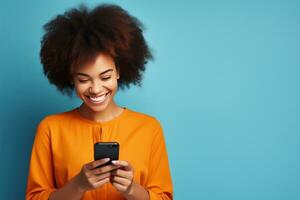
106	78
83	81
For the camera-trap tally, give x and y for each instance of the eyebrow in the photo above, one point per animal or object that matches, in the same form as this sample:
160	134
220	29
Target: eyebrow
83	74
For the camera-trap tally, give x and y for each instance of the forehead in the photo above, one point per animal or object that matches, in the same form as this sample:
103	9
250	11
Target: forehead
102	62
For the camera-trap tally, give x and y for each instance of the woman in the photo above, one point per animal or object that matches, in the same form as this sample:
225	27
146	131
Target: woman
93	52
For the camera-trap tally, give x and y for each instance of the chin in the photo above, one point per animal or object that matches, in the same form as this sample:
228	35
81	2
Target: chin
97	108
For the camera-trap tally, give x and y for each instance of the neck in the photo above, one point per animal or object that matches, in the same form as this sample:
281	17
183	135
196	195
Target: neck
112	111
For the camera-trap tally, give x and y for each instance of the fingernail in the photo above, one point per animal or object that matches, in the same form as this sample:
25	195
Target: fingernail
114	162
106	159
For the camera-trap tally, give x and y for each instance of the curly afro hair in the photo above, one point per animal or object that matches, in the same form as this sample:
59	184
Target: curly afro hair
80	34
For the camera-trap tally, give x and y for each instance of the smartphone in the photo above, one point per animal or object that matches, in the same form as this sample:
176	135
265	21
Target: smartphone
106	150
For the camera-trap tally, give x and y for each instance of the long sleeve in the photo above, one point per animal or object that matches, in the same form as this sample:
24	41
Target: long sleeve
159	184
64	142
41	183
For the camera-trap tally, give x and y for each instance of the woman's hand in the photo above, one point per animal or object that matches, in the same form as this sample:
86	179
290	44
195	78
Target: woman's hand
92	176
122	178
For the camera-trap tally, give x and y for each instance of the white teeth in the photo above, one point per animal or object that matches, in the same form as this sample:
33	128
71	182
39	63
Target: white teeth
98	99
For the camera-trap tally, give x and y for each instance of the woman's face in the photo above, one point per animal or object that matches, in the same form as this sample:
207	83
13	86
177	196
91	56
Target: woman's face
96	83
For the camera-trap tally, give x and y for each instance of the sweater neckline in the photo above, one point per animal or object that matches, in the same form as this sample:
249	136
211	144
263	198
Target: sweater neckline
81	118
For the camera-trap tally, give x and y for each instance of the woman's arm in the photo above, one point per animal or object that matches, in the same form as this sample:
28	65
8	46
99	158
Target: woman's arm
70	191
41	183
122	180
159	182
90	177
137	192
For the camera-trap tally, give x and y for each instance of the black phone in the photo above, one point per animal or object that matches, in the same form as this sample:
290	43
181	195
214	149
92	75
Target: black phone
106	150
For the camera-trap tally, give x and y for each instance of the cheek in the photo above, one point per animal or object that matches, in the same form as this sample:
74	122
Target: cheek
80	89
112	85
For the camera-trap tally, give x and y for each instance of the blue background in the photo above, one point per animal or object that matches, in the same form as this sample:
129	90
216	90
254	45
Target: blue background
224	84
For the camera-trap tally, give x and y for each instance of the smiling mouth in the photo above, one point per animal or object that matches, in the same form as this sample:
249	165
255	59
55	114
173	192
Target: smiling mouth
98	99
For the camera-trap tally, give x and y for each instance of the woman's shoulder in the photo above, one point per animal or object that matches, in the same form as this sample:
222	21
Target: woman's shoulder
56	118
142	117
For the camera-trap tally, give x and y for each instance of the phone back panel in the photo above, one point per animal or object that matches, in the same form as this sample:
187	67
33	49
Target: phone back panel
106	150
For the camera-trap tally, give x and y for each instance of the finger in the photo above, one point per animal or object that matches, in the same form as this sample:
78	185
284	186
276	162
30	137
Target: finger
123	173
119	186
102	176
97	163
101	182
124	164
120	180
94	178
104	169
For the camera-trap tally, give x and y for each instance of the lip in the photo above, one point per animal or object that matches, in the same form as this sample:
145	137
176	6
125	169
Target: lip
95	102
97	95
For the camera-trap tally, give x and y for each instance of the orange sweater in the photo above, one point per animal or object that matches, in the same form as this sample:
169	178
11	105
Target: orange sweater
64	143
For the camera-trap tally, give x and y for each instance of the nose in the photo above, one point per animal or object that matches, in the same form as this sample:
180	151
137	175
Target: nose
95	88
